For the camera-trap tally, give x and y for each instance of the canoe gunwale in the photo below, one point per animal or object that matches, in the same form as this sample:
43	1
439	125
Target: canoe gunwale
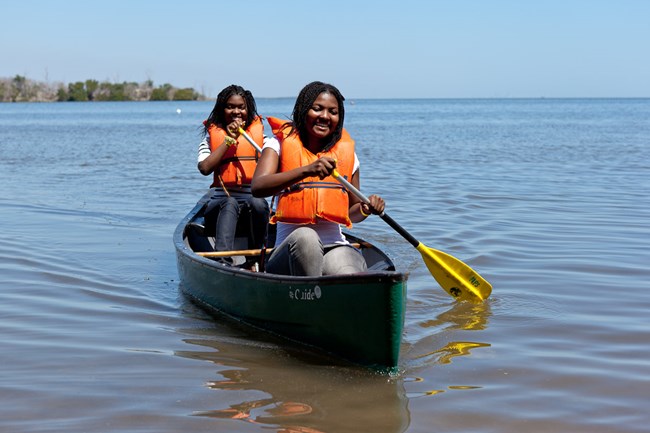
182	248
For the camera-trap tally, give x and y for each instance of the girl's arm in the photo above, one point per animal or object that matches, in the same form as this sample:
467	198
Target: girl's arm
209	164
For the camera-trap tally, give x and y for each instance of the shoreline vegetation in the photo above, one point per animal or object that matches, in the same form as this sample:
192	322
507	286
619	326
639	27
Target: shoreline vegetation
22	89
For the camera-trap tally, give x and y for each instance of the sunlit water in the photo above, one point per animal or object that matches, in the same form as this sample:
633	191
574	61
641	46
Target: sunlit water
548	199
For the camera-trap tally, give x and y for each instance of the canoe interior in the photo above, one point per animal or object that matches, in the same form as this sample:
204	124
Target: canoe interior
357	317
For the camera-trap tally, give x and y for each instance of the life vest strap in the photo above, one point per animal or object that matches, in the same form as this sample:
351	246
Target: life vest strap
235	159
304	185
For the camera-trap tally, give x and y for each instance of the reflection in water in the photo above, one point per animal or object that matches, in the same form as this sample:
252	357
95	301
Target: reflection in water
468	316
453	349
435	348
266	412
462	316
291	394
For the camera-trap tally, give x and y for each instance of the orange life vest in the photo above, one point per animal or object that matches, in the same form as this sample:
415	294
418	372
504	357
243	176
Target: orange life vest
312	198
238	164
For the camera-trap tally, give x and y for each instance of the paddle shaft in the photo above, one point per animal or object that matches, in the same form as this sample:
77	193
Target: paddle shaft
250	140
391	222
232	253
399	229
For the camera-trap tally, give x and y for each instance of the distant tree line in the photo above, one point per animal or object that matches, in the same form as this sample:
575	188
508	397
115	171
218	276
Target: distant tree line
21	89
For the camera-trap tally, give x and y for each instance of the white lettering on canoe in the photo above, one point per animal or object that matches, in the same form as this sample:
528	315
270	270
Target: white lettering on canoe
305	295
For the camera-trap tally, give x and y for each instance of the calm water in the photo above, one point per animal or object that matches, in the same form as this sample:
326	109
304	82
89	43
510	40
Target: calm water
548	199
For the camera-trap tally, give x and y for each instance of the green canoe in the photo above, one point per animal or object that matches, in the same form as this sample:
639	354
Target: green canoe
356	317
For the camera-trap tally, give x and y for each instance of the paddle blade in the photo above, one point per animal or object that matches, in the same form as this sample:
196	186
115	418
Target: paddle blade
454	276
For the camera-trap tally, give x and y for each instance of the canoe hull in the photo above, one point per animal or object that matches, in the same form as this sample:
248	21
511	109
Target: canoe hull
358	317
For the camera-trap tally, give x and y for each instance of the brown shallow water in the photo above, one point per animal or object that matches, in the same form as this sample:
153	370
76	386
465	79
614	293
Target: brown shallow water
548	199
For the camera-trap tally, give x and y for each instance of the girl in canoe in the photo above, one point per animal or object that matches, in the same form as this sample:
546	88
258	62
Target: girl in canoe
312	205
232	160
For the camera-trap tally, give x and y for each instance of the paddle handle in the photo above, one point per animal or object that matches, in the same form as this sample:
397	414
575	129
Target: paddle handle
250	140
391	222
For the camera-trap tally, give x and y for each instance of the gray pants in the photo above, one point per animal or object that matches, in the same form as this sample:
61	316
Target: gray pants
302	253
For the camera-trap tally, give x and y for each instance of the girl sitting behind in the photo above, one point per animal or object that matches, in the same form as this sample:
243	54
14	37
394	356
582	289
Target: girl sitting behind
232	160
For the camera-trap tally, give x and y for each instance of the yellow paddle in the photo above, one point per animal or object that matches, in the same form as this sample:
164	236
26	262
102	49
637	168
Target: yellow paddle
454	276
250	140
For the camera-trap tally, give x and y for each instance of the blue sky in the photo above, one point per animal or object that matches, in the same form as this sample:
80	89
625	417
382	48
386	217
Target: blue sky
369	49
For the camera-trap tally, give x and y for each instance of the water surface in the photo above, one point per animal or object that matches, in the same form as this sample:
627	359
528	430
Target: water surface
548	199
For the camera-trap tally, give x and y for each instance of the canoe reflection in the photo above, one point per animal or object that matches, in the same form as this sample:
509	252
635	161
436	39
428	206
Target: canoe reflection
295	395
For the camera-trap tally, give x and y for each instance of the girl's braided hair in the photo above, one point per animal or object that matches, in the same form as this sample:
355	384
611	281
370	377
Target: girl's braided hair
217	116
304	102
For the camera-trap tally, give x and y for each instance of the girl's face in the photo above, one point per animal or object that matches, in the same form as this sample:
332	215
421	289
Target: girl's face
322	118
235	109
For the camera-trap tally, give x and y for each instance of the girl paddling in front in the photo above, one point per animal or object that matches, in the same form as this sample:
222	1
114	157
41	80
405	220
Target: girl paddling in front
312	205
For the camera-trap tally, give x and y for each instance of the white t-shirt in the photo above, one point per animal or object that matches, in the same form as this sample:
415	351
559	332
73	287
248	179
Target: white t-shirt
329	232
